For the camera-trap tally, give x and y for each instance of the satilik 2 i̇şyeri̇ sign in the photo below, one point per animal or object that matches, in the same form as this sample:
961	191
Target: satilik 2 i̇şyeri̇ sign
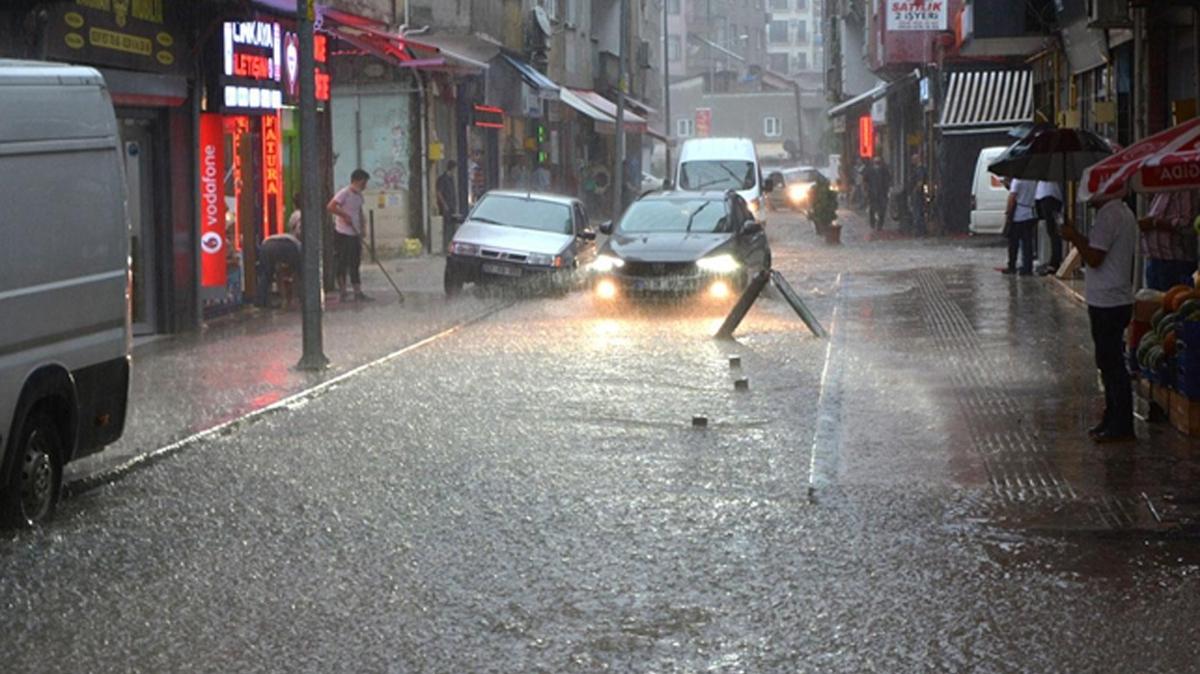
917	15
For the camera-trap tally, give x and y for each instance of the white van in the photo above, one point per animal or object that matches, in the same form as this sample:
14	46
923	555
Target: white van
707	164
64	274
989	196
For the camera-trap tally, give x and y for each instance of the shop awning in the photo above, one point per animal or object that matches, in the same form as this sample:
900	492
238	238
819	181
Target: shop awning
634	123
988	100
865	98
466	50
545	86
373	37
604	112
568	97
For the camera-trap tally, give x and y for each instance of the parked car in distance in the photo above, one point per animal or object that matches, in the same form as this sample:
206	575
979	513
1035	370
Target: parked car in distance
720	164
989	196
680	243
65	331
520	237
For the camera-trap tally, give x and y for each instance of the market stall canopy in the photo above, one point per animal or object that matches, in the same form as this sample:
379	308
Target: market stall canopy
1165	162
987	100
1051	154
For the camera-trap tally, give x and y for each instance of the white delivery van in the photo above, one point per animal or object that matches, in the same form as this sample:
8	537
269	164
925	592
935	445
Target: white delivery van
64	273
989	196
707	164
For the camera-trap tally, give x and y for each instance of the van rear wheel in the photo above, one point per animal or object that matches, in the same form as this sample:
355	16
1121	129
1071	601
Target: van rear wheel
35	480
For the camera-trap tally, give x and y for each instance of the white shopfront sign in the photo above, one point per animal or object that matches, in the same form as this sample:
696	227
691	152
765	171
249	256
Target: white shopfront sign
918	15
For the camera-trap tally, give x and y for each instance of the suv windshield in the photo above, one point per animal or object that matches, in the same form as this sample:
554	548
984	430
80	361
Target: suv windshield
728	174
673	215
513	211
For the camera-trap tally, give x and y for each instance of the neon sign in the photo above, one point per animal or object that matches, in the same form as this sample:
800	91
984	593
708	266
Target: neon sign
489	117
272	175
260	67
866	137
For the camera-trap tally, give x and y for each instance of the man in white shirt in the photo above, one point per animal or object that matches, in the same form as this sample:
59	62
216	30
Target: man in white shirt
1049	206
1108	288
1021	224
347	209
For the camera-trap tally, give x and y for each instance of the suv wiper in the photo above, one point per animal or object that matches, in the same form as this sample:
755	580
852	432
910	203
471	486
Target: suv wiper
693	215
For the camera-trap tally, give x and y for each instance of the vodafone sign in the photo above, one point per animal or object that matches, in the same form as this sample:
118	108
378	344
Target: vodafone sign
212	201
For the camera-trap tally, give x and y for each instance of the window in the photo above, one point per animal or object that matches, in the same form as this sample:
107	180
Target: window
674	48
771	127
801	4
801	32
777	32
685	127
673	6
800	61
778	62
780	4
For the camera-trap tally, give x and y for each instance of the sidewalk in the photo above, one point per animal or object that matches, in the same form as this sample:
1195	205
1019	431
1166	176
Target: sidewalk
244	362
968	377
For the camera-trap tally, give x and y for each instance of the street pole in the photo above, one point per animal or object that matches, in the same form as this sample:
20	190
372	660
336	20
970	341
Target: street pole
667	90
311	207
619	169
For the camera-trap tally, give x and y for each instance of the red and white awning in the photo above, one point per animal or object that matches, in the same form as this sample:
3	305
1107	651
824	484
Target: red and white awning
1165	162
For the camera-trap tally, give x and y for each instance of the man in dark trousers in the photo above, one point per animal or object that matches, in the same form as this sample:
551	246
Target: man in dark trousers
1108	288
278	261
879	182
1049	206
349	225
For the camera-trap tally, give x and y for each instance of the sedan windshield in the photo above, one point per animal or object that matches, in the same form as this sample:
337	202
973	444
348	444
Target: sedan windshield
675	215
716	174
514	211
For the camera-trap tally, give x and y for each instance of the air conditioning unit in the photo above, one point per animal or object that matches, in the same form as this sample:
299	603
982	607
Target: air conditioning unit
1109	14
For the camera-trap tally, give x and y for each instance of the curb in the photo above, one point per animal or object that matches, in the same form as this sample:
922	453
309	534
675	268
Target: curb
299	399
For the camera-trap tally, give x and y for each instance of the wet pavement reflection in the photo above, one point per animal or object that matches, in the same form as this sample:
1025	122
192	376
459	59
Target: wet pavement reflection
529	495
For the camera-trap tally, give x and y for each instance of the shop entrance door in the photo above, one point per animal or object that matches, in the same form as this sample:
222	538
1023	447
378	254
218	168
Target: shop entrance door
137	140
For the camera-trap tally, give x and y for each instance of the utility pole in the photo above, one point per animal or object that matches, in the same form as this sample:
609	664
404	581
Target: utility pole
311	207
667	89
619	169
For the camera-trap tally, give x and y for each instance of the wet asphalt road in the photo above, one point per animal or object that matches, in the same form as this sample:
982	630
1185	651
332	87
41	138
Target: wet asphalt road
528	495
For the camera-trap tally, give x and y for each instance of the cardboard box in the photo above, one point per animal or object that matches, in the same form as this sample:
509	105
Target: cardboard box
1162	397
1185	414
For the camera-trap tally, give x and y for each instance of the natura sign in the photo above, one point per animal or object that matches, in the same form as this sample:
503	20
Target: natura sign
917	15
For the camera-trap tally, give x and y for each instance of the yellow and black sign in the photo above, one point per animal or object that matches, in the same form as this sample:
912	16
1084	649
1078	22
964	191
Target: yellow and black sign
131	34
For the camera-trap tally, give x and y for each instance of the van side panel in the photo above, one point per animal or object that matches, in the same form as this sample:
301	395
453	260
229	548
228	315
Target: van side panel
64	260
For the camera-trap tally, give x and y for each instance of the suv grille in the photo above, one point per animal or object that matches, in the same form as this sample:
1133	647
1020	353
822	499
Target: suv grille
645	269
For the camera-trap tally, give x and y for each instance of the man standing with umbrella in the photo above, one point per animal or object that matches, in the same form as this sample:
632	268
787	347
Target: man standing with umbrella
1021	220
1108	253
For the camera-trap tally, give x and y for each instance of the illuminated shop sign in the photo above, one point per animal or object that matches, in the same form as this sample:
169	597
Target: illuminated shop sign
212	201
260	67
866	137
489	117
272	174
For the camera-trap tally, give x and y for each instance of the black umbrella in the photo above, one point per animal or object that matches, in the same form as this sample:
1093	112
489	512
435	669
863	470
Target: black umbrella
1051	154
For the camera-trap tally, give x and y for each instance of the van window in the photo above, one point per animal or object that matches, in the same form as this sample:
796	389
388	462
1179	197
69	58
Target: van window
717	174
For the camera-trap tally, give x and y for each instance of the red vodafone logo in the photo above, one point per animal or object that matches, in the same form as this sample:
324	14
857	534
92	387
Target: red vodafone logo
211	243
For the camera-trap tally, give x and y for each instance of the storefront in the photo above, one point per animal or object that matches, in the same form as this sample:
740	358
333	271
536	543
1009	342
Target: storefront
142	50
248	150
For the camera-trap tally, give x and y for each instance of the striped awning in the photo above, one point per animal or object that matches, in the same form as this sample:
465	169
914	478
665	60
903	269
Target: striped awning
987	100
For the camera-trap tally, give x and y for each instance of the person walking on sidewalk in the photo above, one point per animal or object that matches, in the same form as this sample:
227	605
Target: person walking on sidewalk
347	209
915	192
1108	288
447	193
1020	223
878	180
1049	206
1168	240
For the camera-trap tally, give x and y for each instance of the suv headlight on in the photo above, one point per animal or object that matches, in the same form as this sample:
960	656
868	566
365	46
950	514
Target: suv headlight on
460	248
718	264
543	260
607	263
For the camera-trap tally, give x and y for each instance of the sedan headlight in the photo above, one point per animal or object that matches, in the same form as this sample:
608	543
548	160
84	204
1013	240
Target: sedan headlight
719	264
753	204
543	260
460	248
798	193
607	263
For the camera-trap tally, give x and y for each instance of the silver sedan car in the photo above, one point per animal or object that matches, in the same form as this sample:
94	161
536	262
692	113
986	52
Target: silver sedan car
521	238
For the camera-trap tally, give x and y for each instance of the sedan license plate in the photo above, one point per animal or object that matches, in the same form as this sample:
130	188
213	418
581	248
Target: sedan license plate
501	270
652	284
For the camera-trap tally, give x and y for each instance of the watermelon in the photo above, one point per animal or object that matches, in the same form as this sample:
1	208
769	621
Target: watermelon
1158	316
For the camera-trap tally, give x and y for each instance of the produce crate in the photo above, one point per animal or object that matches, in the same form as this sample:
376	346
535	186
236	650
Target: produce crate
1185	414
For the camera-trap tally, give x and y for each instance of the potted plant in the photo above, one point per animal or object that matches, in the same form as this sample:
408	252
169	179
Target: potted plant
822	211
